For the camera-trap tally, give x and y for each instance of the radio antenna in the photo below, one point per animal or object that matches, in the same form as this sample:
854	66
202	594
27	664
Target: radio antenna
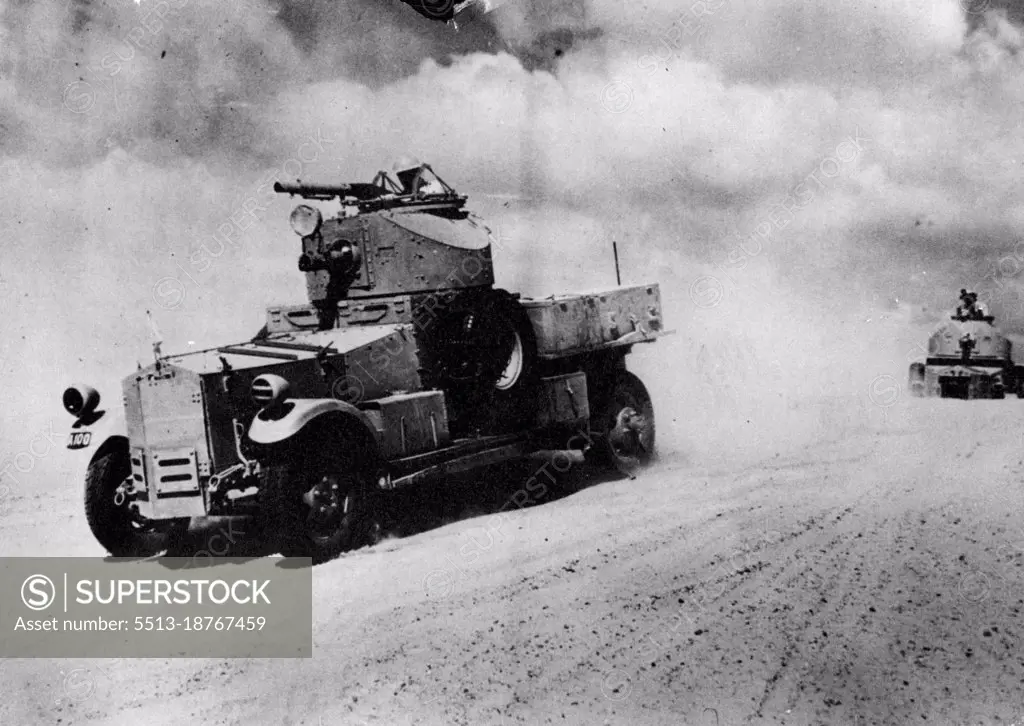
156	337
615	251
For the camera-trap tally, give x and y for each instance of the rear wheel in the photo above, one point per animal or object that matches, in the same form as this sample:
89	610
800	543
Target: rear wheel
111	518
319	509
624	425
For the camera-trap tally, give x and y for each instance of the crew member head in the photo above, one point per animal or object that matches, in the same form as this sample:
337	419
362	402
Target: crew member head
406	169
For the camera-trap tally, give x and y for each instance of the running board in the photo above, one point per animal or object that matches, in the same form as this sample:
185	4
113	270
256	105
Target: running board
463	464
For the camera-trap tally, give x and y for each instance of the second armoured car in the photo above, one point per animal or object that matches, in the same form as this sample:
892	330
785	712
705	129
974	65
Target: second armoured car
968	357
406	365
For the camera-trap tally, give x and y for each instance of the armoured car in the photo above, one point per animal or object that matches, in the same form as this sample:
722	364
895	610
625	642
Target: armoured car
406	365
968	357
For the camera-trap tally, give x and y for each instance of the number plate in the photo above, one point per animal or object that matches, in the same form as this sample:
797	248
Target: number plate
79	439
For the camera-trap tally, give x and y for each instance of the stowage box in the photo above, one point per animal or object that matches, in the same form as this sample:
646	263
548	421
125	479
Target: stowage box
563	400
572	324
410	423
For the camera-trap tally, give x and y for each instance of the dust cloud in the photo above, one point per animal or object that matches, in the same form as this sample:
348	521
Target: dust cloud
810	184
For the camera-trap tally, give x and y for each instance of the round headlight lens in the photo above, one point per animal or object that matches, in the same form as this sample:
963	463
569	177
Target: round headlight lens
80	400
305	220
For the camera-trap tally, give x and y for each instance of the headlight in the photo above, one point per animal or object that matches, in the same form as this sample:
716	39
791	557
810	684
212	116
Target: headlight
305	220
80	400
269	389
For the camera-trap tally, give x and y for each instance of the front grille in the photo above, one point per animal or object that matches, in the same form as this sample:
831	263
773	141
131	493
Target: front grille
175	473
166	482
166	422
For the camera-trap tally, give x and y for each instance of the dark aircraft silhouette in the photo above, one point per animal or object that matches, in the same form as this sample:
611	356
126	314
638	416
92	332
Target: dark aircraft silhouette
447	10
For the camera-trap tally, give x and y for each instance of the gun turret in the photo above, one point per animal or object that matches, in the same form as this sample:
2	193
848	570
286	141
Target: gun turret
384	255
971	309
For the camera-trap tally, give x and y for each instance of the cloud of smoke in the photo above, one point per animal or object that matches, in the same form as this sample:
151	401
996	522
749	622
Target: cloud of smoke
807	181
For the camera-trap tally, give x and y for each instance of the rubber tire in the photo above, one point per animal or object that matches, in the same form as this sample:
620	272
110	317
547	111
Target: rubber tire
112	525
916	375
624	390
283	512
475	397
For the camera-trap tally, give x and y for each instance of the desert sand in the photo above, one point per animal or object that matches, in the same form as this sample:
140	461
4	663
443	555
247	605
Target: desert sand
873	578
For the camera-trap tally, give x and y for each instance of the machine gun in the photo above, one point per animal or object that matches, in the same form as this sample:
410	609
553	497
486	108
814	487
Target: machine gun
967	344
384	193
326	192
971	309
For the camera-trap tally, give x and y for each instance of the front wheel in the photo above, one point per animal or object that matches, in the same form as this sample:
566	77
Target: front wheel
111	518
624	424
915	380
319	510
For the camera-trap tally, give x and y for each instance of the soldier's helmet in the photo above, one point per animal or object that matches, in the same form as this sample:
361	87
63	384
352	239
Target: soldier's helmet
406	168
405	164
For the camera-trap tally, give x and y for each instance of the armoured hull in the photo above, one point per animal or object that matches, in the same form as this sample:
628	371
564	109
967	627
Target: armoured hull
967	359
406	365
187	418
962	381
989	344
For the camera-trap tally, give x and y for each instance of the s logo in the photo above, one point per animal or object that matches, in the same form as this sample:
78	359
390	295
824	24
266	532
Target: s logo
79	440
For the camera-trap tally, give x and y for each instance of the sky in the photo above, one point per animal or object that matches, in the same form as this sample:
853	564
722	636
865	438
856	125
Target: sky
810	183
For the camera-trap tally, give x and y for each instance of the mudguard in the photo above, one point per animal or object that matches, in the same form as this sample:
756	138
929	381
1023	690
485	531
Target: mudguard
90	436
269	427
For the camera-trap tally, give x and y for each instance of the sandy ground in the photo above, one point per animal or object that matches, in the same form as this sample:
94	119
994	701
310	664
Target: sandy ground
874	579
